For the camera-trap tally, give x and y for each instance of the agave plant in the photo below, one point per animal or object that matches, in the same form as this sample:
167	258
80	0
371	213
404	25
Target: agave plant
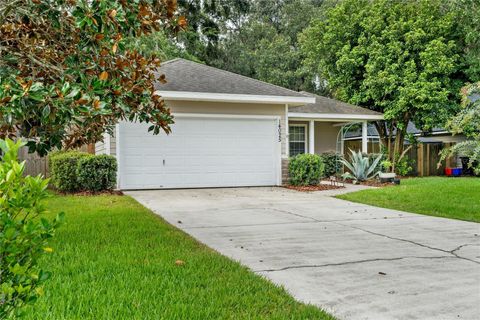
360	167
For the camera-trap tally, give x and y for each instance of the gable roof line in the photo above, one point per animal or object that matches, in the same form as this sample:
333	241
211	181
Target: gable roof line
170	61
234	74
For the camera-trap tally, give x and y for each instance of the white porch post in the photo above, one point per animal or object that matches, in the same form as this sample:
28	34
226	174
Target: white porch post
311	137
364	137
287	133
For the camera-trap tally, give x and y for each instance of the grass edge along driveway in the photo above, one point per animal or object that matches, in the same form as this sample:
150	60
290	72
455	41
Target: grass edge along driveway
446	197
115	259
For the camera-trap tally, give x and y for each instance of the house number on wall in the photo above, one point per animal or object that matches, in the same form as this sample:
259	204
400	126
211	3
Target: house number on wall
279	131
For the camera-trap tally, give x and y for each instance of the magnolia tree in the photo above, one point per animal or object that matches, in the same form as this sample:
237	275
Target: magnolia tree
467	122
67	74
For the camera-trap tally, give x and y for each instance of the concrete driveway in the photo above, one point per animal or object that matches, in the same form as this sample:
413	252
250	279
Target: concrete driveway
354	261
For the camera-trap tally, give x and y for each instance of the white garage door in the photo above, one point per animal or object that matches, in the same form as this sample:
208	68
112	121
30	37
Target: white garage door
201	151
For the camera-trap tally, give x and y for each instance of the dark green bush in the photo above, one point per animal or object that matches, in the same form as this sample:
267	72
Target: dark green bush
63	169
97	173
305	169
332	163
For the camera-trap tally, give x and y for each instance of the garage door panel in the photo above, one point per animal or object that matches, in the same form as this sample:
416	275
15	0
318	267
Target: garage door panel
200	152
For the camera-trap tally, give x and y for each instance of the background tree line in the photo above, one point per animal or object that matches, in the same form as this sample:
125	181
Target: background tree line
405	58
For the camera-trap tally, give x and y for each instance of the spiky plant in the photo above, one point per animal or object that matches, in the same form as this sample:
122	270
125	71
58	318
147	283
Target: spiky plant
360	167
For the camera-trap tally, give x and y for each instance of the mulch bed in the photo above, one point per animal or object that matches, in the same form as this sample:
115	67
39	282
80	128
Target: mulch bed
320	187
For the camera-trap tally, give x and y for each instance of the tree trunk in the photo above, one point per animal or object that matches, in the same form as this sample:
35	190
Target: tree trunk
382	132
91	148
386	133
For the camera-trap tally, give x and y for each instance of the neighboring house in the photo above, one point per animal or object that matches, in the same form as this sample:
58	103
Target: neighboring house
229	131
425	155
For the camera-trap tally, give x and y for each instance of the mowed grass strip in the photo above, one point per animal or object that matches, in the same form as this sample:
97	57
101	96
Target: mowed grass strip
114	259
448	197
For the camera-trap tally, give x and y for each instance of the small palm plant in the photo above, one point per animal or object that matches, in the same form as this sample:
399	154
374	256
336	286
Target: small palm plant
360	167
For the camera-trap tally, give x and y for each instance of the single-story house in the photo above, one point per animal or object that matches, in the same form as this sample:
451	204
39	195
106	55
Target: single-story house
229	131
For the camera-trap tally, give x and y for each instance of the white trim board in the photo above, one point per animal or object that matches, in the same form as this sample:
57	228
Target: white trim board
221	115
235	98
117	152
287	139
333	116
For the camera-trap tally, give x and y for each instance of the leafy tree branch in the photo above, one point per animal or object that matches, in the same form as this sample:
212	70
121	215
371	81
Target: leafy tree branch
67	74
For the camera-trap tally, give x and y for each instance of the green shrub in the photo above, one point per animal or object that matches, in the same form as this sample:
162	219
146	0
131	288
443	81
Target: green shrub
63	169
386	165
97	173
305	169
404	166
332	163
24	233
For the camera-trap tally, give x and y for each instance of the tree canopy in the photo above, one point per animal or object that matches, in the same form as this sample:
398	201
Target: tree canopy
67	73
403	58
160	44
255	38
208	23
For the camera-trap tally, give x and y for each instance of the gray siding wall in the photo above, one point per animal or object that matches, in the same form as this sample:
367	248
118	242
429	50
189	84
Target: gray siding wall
107	146
100	147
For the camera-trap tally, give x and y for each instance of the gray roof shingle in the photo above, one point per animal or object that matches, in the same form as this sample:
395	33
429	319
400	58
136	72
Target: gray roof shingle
327	105
189	76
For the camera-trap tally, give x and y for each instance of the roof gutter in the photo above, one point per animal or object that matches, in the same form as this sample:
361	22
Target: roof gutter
235	98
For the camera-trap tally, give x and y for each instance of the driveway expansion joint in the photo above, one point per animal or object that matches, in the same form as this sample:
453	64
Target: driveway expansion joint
452	252
313	220
350	262
463	246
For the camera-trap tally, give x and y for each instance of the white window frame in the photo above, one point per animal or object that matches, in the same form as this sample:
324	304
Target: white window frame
305	135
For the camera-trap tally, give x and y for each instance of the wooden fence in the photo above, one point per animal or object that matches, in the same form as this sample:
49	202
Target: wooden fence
427	159
424	157
35	165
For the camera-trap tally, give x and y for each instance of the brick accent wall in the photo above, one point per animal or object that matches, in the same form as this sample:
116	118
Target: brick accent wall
285	171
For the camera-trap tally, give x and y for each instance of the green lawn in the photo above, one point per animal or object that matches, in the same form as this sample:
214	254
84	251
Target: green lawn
456	198
114	259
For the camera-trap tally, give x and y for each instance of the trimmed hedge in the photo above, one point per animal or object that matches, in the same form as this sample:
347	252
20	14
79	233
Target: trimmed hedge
63	169
305	169
332	165
73	171
97	173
